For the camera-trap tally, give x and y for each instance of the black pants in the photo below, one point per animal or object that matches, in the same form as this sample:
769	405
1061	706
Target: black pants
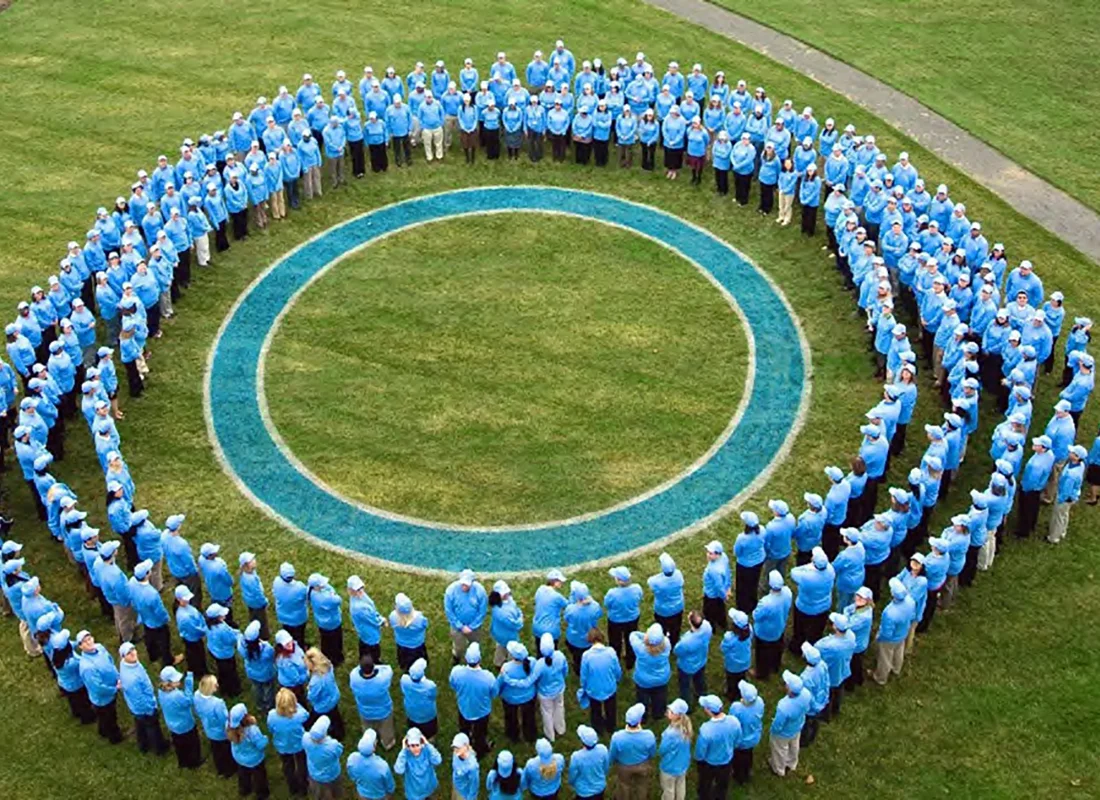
618	638
534	146
260	615
150	738
407	655
970	567
379	160
253	780
372	650
229	681
477	730
291	187
240	223
332	645
742	765
655	700
722	181
649	156
671	626
769	658
809	220
80	707
336	722
733	691
402	152
714	781
183	269
295	772
599	148
767	197
692	685
582	151
714	612
492	145
520	719
742	185
745	586
106	718
576	653
188	749
856	678
152	315
807	628
158	643
133	382
195	653
358	162
1028	513
298	634
222	753
809	731
558	145
872	577
603	714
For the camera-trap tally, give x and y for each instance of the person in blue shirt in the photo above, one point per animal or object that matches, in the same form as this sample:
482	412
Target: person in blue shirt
465	604
837	650
749	711
777	537
581	616
368	771
366	619
736	649
809	195
506	624
588	766
893	630
517	690
599	682
151	614
551	670
100	679
631	754
718	738
815	583
674	750
419	695
769	624
836	510
1092	472
323	753
327	605
652	650
192	630
409	631
286	722
215	574
221	641
248	745
623	603
291	604
370	685
815	679
716	585
177	706
549	605
474	688
416	763
786	729
322	691
542	773
252	592
808	531
259	665
691	657
1069	492
213	715
140	698
668	597
465	771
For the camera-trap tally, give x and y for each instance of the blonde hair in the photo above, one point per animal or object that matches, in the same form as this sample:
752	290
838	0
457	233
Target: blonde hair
549	769
404	620
682	723
655	649
208	685
317	662
286	703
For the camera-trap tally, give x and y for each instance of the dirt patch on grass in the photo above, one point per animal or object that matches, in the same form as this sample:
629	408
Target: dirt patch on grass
5	5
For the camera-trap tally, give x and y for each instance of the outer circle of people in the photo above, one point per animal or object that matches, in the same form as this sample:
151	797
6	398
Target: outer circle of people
899	248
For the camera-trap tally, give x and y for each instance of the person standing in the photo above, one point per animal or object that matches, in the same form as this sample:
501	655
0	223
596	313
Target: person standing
675	751
323	761
717	583
749	711
213	715
815	598
631	753
542	773
286	723
551	671
101	679
691	657
465	604
416	763
291	605
769	620
786	729
252	592
718	739
504	781
323	693
623	603
370	685
326	605
599	678
517	693
248	745
668	597
893	630
581	617
588	766
137	691
410	627
366	619
221	641
1069	492
836	651
860	614
368	771
259	665
419	696
750	551
177	706
474	688
652	669
736	649
192	630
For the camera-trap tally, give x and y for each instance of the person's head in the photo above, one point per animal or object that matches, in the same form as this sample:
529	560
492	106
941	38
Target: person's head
286	703
208	686
595	637
678	717
317	662
414	741
695	619
859	466
366	666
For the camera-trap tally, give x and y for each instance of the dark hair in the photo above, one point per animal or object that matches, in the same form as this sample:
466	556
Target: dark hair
252	648
859	466
595	635
742	633
62	655
495	599
366	666
509	785
695	619
527	662
549	659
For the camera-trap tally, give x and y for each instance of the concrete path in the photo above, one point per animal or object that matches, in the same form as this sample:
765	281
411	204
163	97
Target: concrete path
1029	194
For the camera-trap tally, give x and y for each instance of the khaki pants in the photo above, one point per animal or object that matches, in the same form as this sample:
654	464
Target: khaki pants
336	170
156	575
633	781
786	206
673	787
1059	521
988	552
259	214
450	125
552	710
891	655
278	205
783	756
950	589
165	303
1050	491
414	133
500	656
30	646
202	249
911	637
311	182
460	641
125	622
433	141
937	365
384	729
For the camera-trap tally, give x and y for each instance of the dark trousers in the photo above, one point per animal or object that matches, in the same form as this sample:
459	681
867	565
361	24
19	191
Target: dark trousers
358	162
295	773
767	198
558	145
618	638
582	151
195	653
830	540
260	615
291	187
188	749
372	650
692	681
600	148
809	731
222	753
1027	515
492	145
534	146
158	643
970	567
520	718
332	645
229	681
671	626
649	156
407	655
714	781
807	628
183	269
714	612
872	577
655	700
106	718
477	730
240	223
298	634
742	185
150	738
722	181
80	707
603	714
38	498
732	679
402	152
379	160
253	780
133	382
742	765
769	657
856	678
746	579
576	653
809	220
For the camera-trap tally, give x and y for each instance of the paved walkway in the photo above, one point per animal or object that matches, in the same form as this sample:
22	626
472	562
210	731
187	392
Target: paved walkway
1029	194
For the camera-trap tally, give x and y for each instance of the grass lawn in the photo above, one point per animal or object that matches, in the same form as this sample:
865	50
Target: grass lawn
1012	73
499	377
996	702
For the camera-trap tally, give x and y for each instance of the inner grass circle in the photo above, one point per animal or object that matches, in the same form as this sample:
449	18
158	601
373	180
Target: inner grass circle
505	369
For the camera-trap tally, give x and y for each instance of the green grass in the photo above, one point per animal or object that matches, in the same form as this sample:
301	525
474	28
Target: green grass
1010	72
500	377
997	702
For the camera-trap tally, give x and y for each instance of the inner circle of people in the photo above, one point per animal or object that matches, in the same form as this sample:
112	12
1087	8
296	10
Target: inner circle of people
902	250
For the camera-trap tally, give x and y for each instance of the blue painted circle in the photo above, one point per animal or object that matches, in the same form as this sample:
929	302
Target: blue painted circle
269	475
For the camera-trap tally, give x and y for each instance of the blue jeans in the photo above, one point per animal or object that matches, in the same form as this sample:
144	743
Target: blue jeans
689	681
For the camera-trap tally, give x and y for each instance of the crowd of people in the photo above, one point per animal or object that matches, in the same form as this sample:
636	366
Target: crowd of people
862	571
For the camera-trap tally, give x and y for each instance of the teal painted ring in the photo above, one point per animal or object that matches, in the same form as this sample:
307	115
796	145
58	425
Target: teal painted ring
262	466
